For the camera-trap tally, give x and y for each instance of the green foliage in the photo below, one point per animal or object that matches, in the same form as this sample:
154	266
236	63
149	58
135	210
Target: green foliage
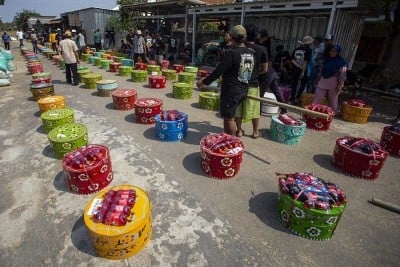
21	18
208	26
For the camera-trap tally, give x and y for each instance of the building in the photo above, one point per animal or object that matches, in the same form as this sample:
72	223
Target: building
90	19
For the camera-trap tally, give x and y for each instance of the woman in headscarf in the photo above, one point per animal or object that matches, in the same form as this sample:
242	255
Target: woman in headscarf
332	78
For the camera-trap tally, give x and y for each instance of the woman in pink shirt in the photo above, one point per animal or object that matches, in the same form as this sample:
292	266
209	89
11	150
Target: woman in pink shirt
332	77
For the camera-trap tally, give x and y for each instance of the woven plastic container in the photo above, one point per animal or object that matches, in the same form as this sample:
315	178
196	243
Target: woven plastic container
67	137
140	66
90	80
120	242
157	81
139	75
186	77
41	75
355	114
153	69
390	139
56	59
35	68
192	69
98	54
42	90
105	55
56	117
203	74
114	66
146	109
118	59
286	134
178	68
51	102
88	169
209	100
124	71
127	62
41	80
307	98
224	164
317	209
316	123
85	57
169	74
124	99
97	61
182	90
106	87
350	156
82	73
92	59
172	131
105	64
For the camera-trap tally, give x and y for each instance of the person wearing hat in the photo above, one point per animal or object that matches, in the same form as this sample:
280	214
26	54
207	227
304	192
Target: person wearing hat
301	57
69	51
139	47
332	78
328	43
172	49
236	70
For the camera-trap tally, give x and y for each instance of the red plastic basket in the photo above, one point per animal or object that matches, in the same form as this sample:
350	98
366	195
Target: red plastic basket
316	123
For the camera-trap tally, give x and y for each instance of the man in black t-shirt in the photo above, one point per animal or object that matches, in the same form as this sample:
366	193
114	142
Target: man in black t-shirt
300	59
236	69
172	49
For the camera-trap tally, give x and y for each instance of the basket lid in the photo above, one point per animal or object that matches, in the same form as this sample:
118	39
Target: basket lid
148	102
181	85
106	81
92	75
85	158
41	85
124	92
58	113
51	99
67	132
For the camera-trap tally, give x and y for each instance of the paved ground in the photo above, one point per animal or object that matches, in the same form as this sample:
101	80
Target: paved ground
197	221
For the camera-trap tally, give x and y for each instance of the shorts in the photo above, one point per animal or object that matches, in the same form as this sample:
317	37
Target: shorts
249	108
229	104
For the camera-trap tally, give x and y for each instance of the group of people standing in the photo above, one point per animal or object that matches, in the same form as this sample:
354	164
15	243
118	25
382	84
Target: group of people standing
246	69
146	47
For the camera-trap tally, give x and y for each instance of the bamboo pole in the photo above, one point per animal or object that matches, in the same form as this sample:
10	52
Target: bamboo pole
279	104
385	205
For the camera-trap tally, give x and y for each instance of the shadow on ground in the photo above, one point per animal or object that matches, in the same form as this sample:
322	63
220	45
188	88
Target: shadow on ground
80	238
192	163
264	206
59	182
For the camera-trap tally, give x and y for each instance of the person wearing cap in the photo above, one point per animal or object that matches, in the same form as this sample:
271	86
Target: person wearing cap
332	78
236	70
69	51
301	57
81	42
59	36
139	47
249	109
34	41
97	40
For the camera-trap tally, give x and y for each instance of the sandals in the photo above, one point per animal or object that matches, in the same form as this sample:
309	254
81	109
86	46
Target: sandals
239	133
255	136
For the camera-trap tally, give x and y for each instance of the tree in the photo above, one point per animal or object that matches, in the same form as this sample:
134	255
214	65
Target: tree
21	18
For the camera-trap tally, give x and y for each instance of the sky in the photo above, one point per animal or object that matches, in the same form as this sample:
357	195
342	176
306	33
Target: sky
50	7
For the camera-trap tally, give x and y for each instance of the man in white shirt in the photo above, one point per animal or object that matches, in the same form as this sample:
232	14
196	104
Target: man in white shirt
20	37
69	51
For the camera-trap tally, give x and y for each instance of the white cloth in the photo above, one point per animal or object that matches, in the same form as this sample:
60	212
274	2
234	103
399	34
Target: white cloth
82	42
20	35
67	48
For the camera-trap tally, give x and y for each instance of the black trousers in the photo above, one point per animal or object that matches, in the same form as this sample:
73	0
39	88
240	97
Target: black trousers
71	70
296	90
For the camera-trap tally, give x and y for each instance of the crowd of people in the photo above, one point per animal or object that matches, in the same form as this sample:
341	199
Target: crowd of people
247	68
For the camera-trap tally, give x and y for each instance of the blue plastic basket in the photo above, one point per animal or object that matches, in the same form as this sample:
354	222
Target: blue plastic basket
171	131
